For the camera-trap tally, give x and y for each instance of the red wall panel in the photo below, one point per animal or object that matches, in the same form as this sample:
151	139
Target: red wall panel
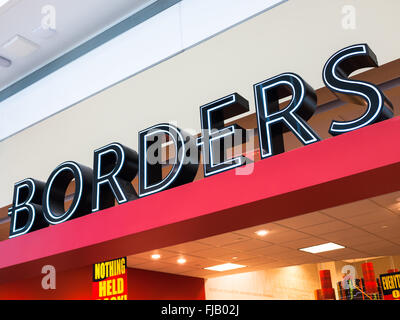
77	285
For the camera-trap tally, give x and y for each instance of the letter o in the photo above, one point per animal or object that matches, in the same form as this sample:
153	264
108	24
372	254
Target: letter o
56	187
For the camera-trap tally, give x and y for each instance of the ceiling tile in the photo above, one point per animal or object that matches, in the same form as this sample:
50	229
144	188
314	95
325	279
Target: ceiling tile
215	253
193	262
352	233
353	242
256	261
274	265
239	256
271	251
223	239
272	229
303	243
147	255
326	228
378	245
395	240
351	209
247	245
381	249
153	265
341	254
375	216
286	236
387	200
200	273
177	269
188	247
305	220
133	261
383	227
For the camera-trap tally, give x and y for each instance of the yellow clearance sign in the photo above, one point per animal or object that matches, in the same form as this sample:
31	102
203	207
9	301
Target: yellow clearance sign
110	281
391	285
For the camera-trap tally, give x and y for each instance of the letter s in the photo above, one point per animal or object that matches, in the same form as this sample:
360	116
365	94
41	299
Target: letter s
335	76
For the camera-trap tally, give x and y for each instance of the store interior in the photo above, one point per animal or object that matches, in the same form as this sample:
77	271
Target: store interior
272	264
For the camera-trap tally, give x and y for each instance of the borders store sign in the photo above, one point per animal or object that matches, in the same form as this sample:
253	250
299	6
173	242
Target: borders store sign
110	281
38	204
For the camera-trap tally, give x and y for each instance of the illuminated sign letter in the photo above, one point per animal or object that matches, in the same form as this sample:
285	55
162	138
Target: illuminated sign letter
335	76
271	119
26	212
115	166
184	165
215	134
56	187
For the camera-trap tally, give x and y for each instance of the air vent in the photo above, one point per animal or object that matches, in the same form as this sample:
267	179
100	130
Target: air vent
20	46
4	62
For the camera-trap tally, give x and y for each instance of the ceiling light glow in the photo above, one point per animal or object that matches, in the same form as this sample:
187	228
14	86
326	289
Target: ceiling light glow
225	267
261	233
156	256
323	248
181	261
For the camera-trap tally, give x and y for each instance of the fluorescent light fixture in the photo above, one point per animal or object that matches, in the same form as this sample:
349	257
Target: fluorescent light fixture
3	2
156	256
225	267
181	261
323	248
261	233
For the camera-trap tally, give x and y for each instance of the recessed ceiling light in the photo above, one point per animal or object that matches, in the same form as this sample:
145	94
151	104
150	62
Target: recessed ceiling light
225	267
181	261
156	256
323	248
261	233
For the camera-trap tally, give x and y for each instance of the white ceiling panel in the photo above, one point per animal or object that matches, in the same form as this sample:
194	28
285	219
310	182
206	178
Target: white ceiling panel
306	220
224	239
188	247
248	245
375	216
286	236
351	209
216	252
326	228
272	229
304	243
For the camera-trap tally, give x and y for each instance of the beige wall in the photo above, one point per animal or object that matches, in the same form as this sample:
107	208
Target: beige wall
298	36
294	283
